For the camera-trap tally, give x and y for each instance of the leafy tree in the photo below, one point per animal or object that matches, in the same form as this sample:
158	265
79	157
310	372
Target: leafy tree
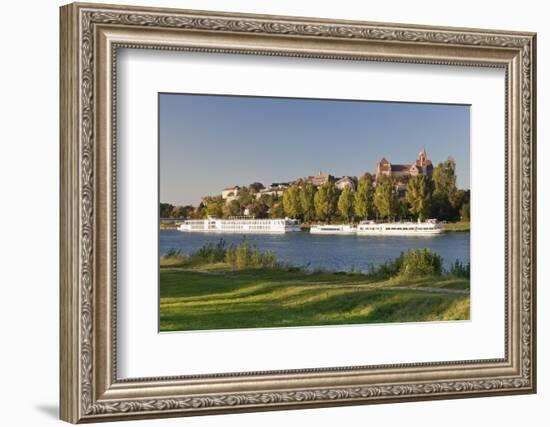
182	211
385	198
277	211
214	210
363	205
366	175
404	179
444	190
325	200
345	203
418	196
267	199
245	196
465	212
214	205
444	178
307	196
232	208
258	209
166	210
461	198
403	209
255	187
199	212
188	209
291	202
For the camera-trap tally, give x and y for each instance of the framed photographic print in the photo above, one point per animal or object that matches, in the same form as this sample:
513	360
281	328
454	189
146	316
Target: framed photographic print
355	246
264	212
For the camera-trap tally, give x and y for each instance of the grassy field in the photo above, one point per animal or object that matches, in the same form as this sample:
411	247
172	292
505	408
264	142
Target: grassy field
215	296
457	226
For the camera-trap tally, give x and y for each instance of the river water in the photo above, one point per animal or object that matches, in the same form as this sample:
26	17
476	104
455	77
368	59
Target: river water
336	253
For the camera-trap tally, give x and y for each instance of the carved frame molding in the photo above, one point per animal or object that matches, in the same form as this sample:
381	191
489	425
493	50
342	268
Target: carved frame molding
90	36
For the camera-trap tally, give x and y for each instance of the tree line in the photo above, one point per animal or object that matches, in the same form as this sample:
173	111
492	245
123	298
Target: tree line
423	197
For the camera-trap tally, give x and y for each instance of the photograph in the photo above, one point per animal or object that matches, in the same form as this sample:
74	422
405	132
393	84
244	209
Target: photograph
292	212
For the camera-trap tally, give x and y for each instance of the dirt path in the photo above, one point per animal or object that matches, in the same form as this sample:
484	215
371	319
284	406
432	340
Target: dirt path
434	290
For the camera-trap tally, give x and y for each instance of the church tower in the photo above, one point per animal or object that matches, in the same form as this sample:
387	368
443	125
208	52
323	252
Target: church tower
422	160
424	164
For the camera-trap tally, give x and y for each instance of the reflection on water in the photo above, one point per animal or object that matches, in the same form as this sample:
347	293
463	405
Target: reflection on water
338	253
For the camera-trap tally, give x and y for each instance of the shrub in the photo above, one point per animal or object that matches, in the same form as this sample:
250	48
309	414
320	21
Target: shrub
211	252
465	212
460	269
269	260
174	258
173	253
388	269
244	256
231	255
256	257
421	262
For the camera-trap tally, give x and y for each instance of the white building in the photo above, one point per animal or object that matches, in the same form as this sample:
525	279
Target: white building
270	192
344	182
230	193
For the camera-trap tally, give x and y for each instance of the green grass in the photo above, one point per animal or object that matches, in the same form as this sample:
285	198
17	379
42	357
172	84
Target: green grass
195	295
457	226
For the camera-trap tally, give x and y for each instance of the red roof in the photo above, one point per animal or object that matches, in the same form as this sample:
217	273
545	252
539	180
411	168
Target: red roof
400	168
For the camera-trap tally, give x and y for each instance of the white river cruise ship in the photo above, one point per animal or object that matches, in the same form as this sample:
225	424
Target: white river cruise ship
371	228
426	228
333	229
241	225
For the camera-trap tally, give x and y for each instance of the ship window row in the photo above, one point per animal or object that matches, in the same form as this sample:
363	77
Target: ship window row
243	225
396	228
240	227
244	222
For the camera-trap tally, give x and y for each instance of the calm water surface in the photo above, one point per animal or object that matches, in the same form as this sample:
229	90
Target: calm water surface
338	253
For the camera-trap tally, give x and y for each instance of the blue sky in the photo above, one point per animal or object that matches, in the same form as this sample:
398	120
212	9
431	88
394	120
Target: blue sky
209	142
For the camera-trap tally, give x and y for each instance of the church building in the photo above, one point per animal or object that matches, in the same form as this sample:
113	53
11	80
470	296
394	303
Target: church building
422	166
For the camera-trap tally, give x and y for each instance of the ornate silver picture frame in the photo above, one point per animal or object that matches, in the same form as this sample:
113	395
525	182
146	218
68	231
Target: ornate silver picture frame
91	35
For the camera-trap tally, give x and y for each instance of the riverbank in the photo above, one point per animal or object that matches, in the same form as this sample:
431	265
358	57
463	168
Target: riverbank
460	226
168	226
197	295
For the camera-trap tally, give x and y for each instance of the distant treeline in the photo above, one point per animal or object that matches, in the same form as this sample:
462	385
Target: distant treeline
423	197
